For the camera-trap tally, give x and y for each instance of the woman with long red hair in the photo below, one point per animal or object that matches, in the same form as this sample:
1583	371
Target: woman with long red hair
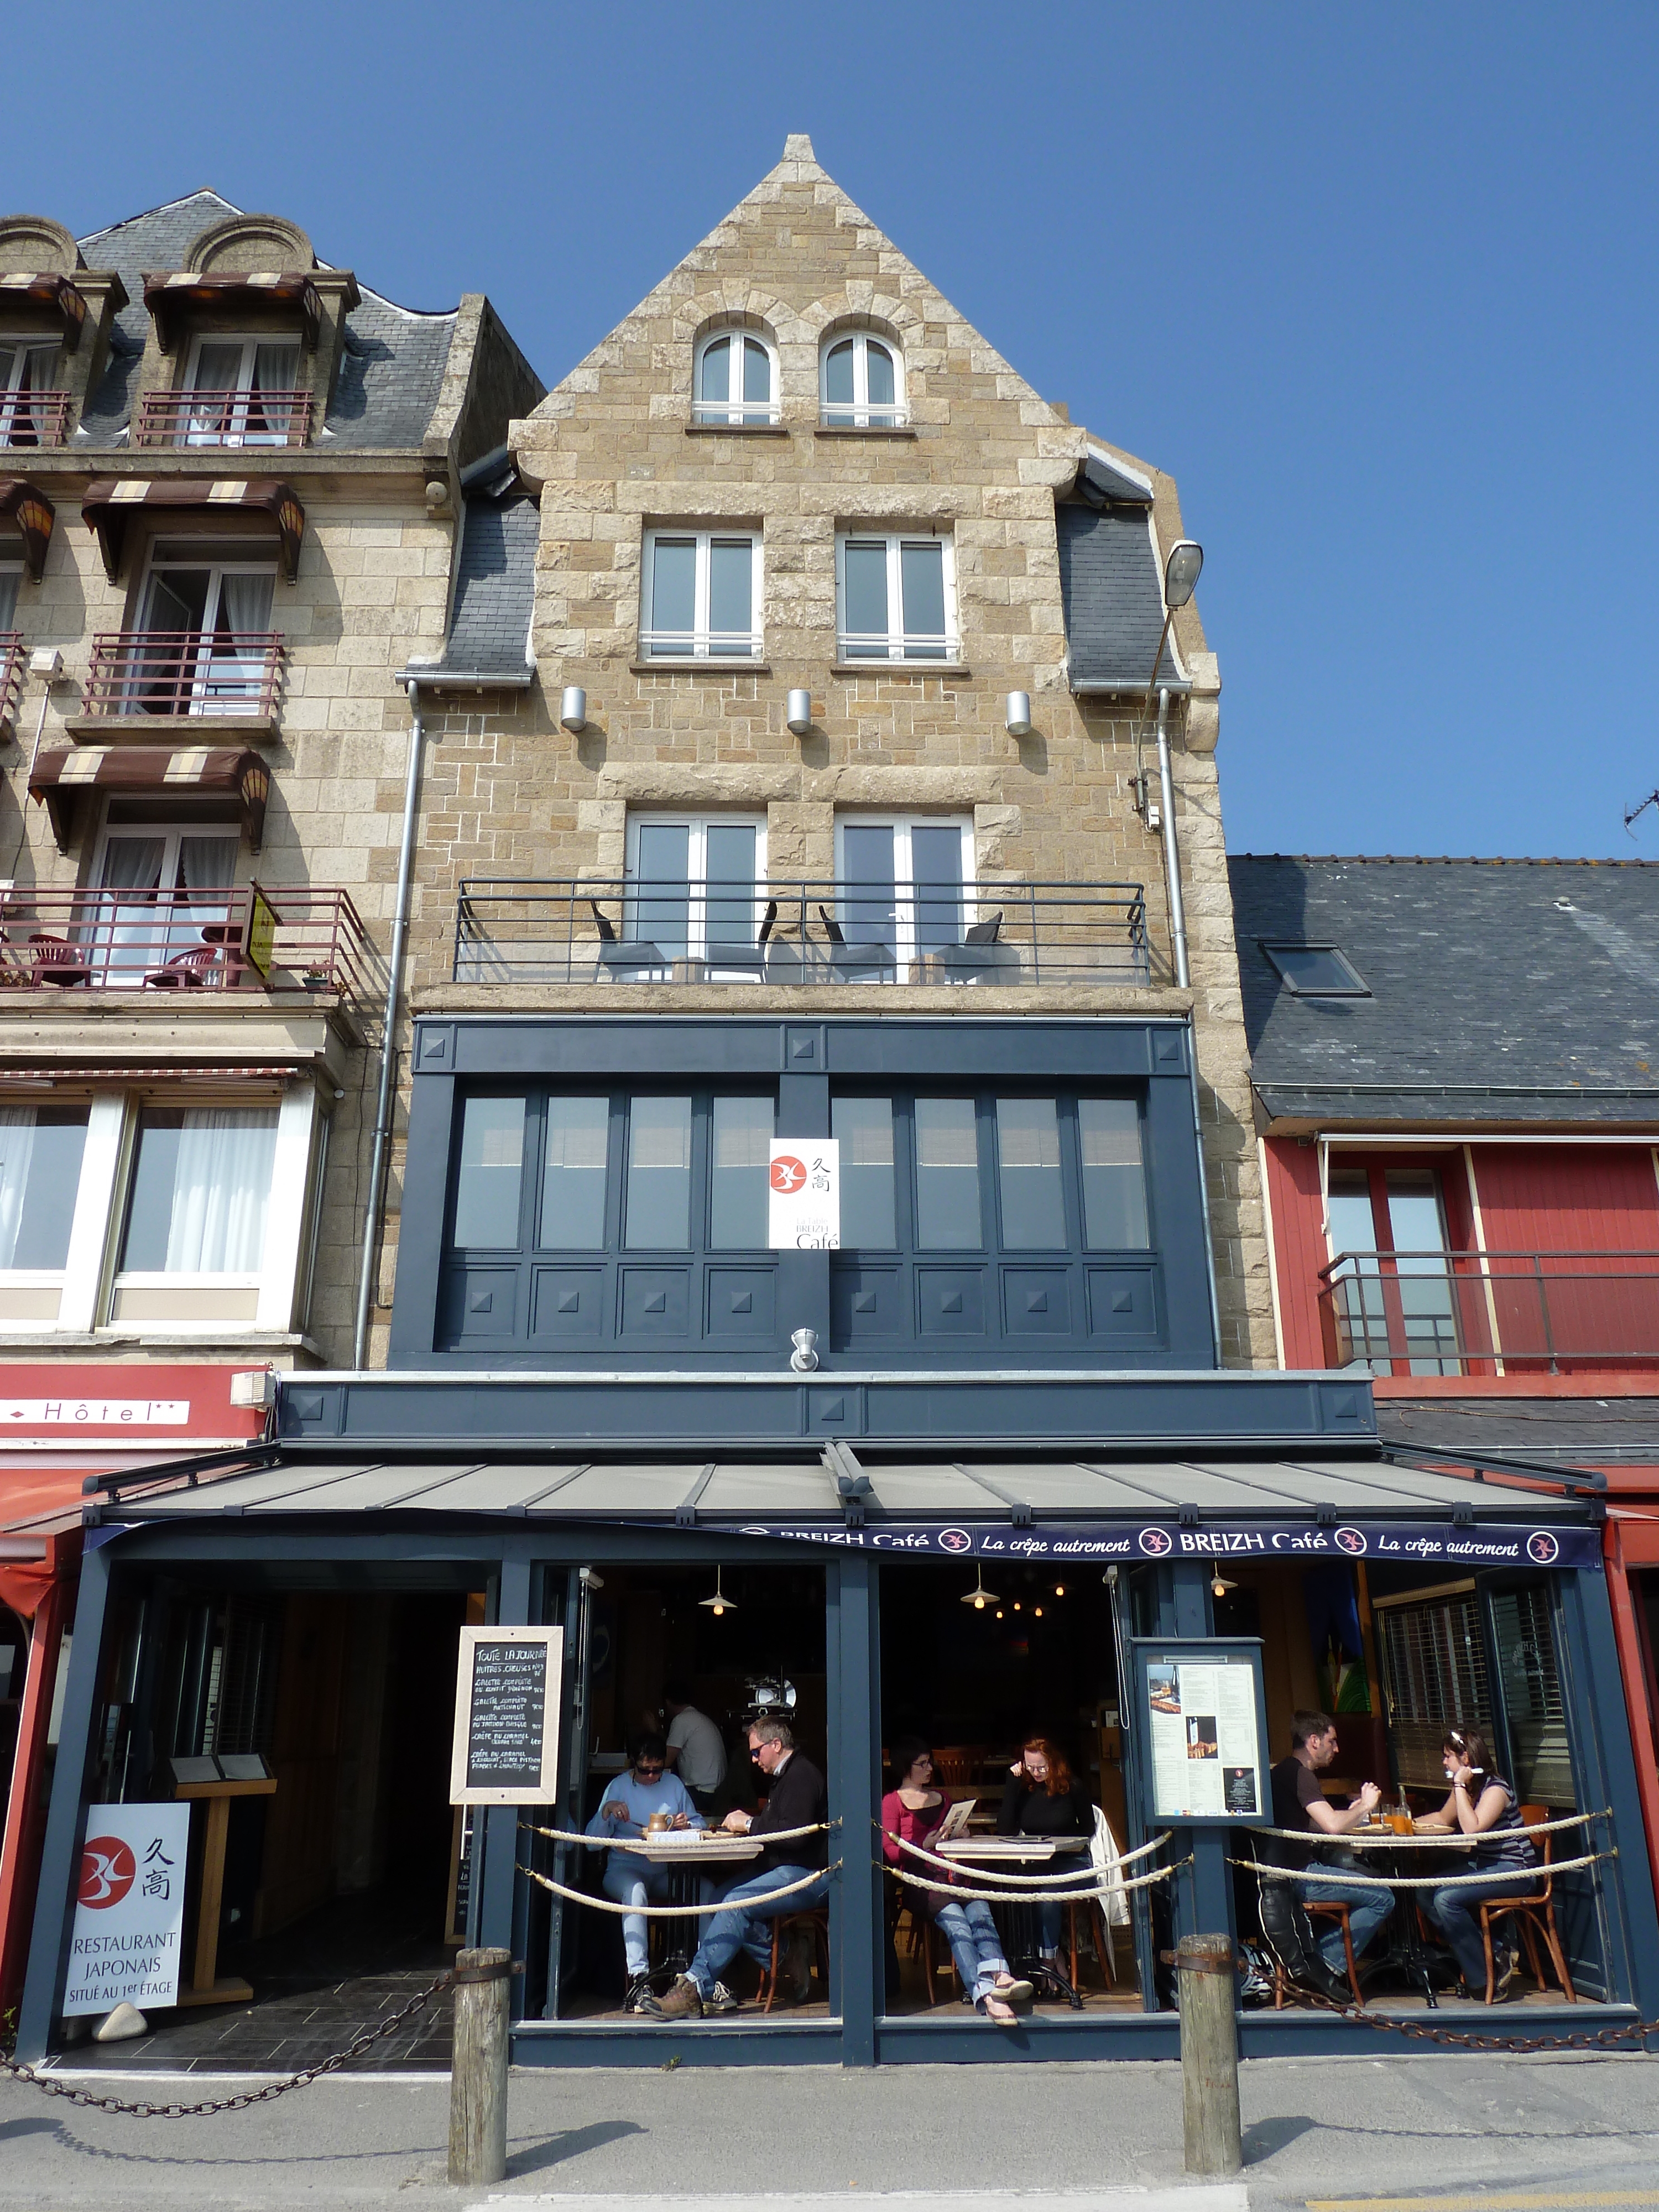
1043	1798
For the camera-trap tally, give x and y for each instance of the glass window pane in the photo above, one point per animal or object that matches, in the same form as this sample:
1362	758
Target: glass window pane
936	871
491	1167
573	1174
864	615
1114	1178
731	594
659	1216
739	1139
219	368
880	365
1028	1175
201	1191
9	579
716	369
660	914
921	570
756	372
947	1176
673	594
40	1150
838	374
730	865
1353	1227
869	1214
869	896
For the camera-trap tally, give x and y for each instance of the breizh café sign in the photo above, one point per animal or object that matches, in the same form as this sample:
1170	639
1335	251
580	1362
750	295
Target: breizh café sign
1397	1543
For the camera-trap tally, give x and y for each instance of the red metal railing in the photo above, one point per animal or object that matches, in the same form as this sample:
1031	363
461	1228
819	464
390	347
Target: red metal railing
34	418
176	673
1488	1313
223	418
11	676
251	937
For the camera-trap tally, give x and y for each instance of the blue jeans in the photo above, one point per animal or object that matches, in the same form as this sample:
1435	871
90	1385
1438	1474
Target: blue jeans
1050	1915
1454	1913
1367	1909
741	1923
630	1880
975	1943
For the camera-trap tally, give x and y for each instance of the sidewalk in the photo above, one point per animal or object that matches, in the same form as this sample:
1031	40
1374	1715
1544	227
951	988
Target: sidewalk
1319	2130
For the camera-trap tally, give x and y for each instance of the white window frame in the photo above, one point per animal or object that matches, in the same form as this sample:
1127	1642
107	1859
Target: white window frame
697	826
13	401
210	692
157	940
11	568
236	433
901	825
858	413
695	645
898	645
734	414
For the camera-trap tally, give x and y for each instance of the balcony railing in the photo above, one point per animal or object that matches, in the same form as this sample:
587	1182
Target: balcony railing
863	414
34	418
246	937
223	418
178	672
1489	1313
11	676
623	930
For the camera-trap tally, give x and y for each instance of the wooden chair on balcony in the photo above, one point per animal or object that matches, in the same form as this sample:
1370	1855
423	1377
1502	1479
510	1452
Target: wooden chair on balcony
57	962
1534	1911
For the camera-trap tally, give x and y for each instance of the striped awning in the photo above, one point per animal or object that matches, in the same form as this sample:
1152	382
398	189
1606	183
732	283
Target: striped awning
48	288
110	500
27	510
167	296
61	778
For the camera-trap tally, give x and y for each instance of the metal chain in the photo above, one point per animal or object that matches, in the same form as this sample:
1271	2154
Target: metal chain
57	2085
1635	2031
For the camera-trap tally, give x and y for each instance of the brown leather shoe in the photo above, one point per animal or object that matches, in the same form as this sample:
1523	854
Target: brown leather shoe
682	2002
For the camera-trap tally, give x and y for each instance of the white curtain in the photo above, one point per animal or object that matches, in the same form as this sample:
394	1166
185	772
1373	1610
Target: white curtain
222	1192
275	368
234	671
16	1151
218	370
131	936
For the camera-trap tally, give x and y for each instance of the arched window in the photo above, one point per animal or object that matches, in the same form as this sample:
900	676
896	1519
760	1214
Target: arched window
862	382
736	380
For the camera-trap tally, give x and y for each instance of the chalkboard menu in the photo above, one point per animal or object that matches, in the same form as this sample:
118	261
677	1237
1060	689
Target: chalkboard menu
507	1716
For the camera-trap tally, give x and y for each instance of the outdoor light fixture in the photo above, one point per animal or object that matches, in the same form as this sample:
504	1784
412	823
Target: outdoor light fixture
979	1597
720	1604
573	709
1220	1586
1060	1590
1017	714
799	716
1181	572
805	1356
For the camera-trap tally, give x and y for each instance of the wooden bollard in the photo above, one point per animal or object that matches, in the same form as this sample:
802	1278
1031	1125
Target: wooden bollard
1209	2054
477	2080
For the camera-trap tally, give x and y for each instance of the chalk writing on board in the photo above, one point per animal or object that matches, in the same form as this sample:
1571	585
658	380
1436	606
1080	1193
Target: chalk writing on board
505	1723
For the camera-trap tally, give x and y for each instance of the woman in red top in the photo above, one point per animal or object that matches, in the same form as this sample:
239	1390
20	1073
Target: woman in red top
914	1812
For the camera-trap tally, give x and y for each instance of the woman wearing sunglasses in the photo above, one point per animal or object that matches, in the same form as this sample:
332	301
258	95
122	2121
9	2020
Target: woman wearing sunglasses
644	1789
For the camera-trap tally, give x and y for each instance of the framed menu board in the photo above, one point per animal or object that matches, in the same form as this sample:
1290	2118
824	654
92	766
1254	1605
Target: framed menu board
1203	1719
506	1748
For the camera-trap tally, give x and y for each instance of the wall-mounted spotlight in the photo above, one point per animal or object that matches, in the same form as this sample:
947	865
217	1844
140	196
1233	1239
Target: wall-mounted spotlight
1017	714
573	709
800	717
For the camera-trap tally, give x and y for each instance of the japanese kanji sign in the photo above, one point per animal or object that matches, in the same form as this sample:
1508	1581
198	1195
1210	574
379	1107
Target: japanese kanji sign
129	1911
803	1212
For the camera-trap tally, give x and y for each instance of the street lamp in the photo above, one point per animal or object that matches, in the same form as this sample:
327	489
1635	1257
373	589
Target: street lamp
1181	574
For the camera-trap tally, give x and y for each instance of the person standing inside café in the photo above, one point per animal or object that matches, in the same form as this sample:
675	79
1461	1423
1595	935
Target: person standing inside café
697	1750
644	1791
1483	1805
1299	1803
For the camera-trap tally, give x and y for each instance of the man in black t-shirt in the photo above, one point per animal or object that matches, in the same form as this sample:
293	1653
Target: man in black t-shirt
1300	1804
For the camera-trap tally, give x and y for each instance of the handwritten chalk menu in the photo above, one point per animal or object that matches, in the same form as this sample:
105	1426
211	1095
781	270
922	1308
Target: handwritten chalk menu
507	1716
1205	1719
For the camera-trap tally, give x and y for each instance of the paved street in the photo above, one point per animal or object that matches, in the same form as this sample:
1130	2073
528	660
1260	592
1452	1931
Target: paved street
1404	2135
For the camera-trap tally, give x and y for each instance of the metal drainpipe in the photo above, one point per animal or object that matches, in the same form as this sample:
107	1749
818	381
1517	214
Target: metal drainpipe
388	1057
1172	847
1203	1185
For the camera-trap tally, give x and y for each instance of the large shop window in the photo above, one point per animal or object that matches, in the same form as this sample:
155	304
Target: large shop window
40	1149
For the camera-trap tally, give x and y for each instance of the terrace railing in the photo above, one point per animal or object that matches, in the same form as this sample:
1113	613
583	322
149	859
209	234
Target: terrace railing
1472	1313
34	418
223	418
623	930
181	672
11	676
247	936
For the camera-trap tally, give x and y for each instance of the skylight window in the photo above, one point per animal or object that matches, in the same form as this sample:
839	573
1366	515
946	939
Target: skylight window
1316	971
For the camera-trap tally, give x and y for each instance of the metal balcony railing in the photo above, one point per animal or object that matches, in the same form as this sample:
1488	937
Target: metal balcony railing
249	937
180	672
34	418
623	930
223	418
1475	1313
11	676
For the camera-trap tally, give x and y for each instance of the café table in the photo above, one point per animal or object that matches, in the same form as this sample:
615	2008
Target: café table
1382	1851
1018	1922
687	1853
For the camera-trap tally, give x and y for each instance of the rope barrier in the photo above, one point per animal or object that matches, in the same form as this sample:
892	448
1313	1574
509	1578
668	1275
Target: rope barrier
1516	1876
1432	1840
645	1842
1092	1888
1025	1880
673	1911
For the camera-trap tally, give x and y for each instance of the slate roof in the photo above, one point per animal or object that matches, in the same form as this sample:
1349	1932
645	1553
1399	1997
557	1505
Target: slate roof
1113	595
495	579
1560	1431
394	357
1501	990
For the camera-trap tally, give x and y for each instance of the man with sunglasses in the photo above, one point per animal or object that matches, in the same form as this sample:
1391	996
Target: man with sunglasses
644	1789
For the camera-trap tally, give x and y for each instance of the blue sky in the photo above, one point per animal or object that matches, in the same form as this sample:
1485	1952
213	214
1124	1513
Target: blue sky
1377	286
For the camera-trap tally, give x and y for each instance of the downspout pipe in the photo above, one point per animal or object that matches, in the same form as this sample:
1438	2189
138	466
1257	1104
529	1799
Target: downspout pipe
388	1054
1172	847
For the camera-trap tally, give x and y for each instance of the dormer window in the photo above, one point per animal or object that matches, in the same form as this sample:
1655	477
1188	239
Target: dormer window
237	391
31	411
862	383
736	382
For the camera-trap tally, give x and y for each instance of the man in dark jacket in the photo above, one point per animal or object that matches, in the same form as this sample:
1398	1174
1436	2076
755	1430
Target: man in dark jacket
797	1799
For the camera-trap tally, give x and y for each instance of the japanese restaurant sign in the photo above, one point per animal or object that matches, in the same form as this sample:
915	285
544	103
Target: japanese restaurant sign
802	1194
129	1908
1205	1720
506	1748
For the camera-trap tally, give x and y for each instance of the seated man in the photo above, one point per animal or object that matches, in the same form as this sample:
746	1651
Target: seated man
641	1789
1300	1803
797	1799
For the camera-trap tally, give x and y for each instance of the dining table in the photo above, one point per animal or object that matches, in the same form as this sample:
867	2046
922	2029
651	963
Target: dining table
1396	1855
689	1854
1018	1921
